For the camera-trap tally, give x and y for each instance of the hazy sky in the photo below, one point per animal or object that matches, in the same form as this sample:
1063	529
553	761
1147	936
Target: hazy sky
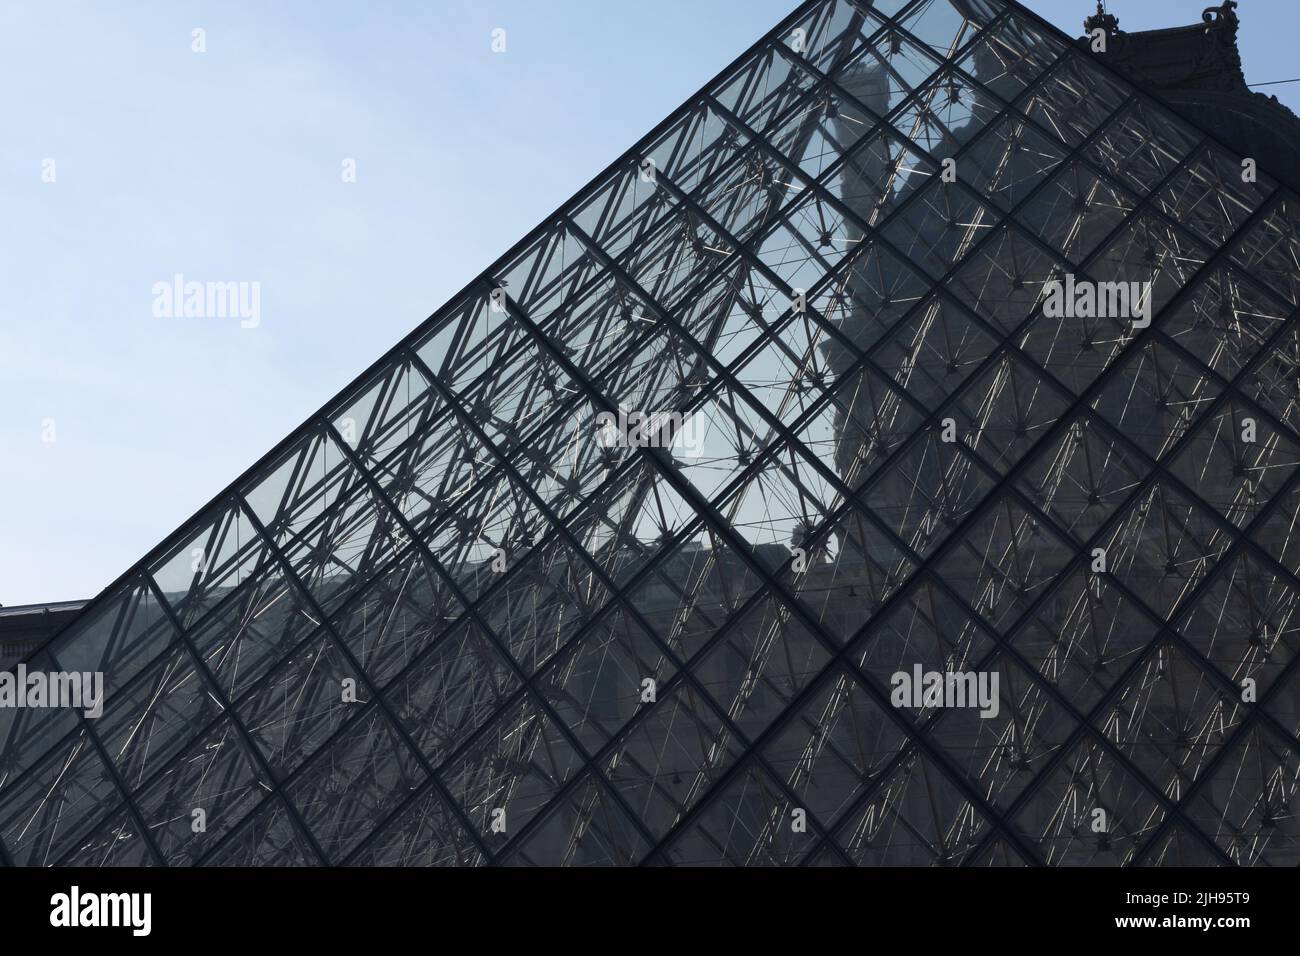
226	165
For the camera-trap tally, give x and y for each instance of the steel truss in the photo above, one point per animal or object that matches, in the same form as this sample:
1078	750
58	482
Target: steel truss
440	598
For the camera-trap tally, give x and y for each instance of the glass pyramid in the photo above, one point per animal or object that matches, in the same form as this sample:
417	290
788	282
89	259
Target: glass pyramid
448	621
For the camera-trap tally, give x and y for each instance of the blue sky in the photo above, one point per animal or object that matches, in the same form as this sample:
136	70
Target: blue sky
226	165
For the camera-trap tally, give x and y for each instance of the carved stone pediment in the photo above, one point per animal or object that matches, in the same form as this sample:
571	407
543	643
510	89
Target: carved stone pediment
1201	56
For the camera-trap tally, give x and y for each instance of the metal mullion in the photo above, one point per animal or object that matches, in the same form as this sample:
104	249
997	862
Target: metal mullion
129	685
506	704
142	563
1007	647
142	569
657	224
876	234
692	123
1068	53
508	701
551	253
617	742
1233	385
1163	630
1125	82
786	434
546	429
156	774
331	635
1250	717
1157	473
251	475
230	600
777	589
775	43
1081	402
384	402
390	563
299	457
660	224
229	713
785	438
239	590
791	440
864	359
617	597
460	314
1158	334
1008	109
636	344
1252	714
507	658
216	535
118	783
1076	155
701	397
290	442
887	124
1205	142
893	24
733	159
40	762
634	581
104	826
952	62
313	635
844	40
121	621
751	91
297	499
384	405
1051	691
882	123
560	529
146	672
616	739
622	189
375	552
850	812
651	567
1227	393
333	532
588	764
443	317
871	233
401	464
421	790
1194	283
685	674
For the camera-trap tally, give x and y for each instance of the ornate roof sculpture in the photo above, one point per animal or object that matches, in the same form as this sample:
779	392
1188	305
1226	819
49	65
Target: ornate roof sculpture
1197	69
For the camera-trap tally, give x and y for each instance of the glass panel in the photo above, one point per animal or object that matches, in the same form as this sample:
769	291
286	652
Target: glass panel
350	788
